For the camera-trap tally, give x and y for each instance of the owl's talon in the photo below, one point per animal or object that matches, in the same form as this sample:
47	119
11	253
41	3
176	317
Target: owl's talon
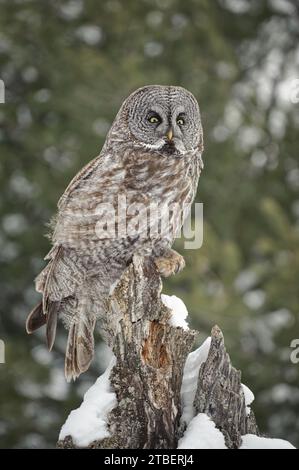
177	269
169	264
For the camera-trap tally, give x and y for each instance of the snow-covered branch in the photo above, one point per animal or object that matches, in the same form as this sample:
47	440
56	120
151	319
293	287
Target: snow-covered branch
156	393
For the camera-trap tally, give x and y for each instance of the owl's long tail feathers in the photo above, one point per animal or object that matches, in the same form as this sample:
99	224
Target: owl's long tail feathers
38	318
78	296
80	343
58	283
46	312
52	316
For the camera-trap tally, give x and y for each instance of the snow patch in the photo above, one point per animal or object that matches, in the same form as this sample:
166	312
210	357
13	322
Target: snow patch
202	433
179	312
88	422
249	397
189	383
250	441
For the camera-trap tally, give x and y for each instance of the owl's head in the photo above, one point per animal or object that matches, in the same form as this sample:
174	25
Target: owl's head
163	118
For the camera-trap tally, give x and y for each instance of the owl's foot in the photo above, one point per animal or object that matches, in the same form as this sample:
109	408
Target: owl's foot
170	263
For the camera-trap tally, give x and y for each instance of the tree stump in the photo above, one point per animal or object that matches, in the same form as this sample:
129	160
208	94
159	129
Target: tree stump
147	377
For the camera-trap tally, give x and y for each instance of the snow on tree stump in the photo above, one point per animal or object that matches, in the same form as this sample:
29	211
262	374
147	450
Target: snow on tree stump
145	378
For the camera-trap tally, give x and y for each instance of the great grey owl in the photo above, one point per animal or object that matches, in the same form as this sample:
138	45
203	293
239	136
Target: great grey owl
151	157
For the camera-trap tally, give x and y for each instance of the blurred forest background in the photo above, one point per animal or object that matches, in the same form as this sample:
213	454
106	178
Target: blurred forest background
67	66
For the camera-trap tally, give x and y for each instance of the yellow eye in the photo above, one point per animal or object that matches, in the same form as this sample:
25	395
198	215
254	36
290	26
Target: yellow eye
180	121
153	119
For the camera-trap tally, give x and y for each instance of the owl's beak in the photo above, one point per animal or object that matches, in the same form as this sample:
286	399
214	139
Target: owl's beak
169	134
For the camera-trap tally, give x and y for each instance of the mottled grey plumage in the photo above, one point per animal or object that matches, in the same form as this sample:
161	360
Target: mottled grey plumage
152	154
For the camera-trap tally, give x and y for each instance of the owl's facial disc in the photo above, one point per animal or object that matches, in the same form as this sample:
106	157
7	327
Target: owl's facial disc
165	119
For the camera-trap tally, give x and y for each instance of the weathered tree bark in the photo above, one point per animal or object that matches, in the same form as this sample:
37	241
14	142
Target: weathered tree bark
150	357
219	394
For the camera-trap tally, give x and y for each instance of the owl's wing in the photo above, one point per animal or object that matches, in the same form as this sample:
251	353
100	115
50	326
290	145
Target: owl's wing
90	194
63	282
83	174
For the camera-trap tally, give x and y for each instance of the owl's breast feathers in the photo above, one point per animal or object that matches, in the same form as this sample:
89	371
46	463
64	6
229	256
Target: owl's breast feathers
141	177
